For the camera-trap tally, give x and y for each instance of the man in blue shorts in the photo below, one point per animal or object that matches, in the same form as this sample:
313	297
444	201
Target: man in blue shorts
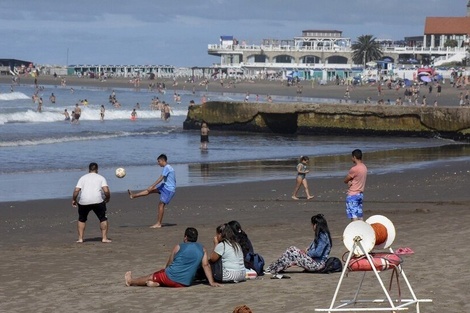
166	188
356	180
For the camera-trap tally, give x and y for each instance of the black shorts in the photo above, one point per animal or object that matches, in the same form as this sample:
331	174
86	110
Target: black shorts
204	138
98	208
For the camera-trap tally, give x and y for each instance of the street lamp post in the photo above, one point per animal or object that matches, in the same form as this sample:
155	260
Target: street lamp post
364	58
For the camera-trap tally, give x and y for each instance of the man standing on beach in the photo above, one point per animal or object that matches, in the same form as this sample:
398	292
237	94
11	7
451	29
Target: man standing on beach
166	188
356	180
94	194
181	267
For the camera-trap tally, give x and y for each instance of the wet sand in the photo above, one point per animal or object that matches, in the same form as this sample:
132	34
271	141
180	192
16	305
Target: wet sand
44	270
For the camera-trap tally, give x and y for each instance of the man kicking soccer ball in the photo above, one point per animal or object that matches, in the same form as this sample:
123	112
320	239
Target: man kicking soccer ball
166	188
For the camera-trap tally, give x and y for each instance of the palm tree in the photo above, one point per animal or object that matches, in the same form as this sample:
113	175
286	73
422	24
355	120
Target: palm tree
366	49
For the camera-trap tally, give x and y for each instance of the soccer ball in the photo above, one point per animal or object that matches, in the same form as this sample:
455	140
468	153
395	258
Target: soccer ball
120	172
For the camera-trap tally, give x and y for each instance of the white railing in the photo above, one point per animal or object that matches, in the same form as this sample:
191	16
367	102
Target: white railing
275	48
280	48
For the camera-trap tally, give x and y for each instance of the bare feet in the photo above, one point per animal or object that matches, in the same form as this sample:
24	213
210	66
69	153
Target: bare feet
310	197
106	240
156	226
130	194
128	278
152	284
80	241
295	198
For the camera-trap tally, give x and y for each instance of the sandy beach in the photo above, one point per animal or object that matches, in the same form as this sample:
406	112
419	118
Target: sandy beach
44	270
263	88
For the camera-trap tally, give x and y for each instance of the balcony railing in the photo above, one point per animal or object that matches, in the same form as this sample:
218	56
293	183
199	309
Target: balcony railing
279	48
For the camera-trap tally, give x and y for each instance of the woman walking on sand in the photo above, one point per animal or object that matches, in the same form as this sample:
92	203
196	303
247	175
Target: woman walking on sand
301	178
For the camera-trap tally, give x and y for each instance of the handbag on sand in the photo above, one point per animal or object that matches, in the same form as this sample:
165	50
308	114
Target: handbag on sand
217	271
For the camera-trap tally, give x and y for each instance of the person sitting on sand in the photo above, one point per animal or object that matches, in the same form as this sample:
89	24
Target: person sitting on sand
242	238
229	253
301	178
311	259
166	188
181	267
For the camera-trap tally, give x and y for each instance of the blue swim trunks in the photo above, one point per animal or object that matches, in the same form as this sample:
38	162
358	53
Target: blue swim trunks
165	194
354	205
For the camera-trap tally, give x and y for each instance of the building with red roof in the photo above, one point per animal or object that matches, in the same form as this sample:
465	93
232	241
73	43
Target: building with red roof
437	30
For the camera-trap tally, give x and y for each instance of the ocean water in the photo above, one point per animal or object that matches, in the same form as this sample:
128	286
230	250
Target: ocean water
42	156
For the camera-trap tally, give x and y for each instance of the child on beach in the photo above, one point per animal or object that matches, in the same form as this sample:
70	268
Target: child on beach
301	178
204	136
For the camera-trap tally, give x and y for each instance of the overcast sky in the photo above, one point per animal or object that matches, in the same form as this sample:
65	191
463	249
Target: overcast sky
177	32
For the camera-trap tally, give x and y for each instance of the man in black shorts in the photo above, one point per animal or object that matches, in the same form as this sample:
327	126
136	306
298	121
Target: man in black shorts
91	194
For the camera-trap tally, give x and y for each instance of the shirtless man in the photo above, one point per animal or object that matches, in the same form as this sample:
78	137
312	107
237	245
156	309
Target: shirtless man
66	114
77	112
204	136
40	105
166	110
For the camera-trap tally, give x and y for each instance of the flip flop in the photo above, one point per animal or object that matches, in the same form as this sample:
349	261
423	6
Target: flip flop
280	276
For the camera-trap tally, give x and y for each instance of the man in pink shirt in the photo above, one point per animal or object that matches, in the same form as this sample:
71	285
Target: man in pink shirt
356	180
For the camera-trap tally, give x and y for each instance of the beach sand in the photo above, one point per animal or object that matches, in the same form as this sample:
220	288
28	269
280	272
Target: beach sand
44	270
449	95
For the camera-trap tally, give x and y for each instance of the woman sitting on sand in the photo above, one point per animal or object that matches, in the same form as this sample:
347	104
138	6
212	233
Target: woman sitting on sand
242	239
311	259
230	252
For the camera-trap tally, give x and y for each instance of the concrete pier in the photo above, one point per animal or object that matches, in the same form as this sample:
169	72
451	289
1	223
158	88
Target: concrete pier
341	119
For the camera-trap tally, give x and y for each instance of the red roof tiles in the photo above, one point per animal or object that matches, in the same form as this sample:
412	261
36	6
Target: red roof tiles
447	25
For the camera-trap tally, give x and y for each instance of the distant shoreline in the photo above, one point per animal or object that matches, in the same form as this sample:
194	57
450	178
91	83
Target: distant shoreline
262	88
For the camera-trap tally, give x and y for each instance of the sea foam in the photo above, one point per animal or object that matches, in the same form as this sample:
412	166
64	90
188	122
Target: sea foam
50	114
13	96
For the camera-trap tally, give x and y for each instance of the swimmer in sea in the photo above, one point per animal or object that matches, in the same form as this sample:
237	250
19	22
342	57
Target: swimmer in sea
66	114
102	110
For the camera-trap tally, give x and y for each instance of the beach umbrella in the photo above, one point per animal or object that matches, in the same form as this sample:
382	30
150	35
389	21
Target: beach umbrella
425	78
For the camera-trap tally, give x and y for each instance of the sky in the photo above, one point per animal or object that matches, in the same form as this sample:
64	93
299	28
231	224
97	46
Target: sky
178	32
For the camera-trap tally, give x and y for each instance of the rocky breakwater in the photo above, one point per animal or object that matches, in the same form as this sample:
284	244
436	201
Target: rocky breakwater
311	118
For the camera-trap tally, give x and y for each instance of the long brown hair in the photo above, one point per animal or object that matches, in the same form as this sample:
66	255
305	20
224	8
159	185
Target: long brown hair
228	236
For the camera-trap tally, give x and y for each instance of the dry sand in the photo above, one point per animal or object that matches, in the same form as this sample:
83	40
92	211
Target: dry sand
449	95
44	270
